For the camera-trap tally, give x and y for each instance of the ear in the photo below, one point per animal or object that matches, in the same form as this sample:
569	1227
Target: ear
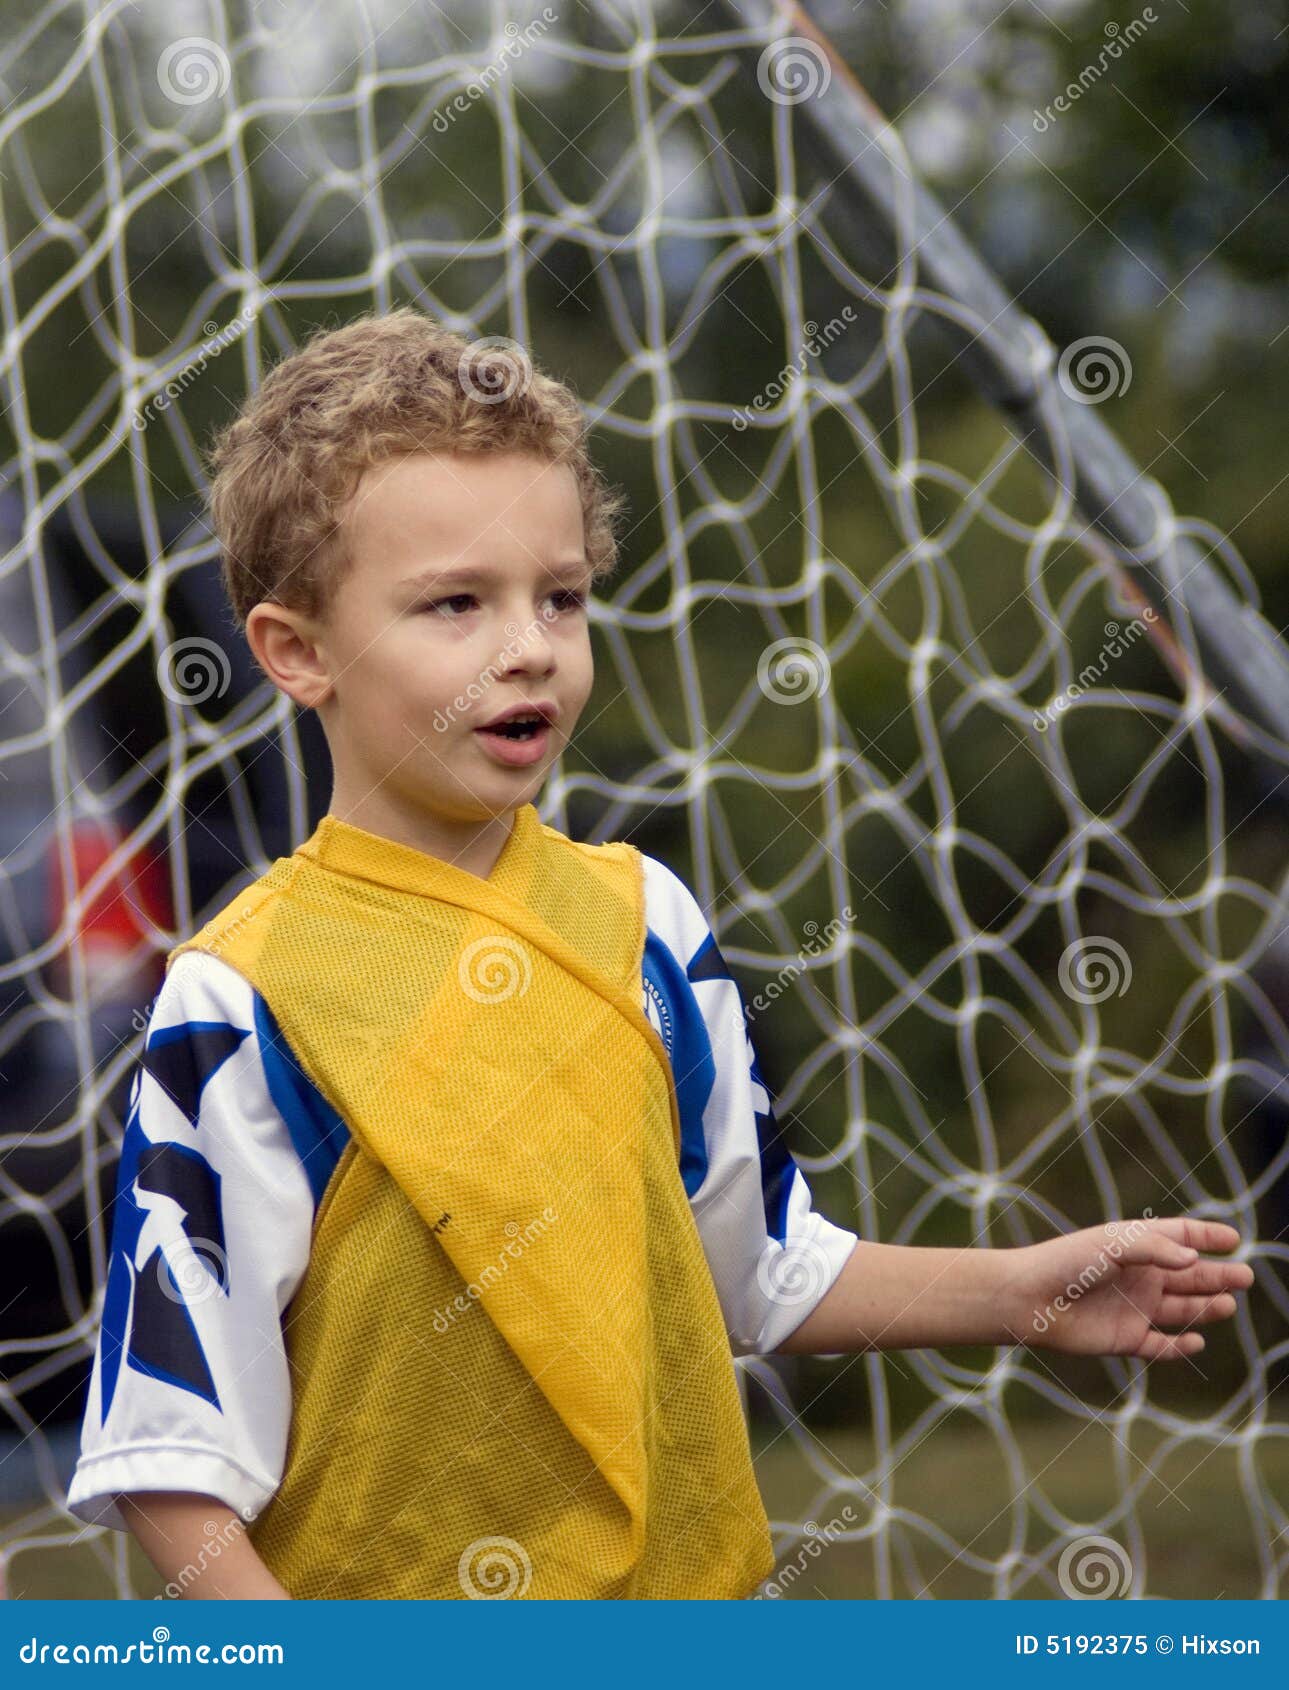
288	647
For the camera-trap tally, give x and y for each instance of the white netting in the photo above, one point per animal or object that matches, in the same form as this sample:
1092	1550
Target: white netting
862	655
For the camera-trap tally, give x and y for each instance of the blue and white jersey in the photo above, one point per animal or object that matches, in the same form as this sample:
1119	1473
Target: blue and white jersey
229	1146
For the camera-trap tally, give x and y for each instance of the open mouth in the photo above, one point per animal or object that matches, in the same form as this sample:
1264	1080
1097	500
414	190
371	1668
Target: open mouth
520	742
519	727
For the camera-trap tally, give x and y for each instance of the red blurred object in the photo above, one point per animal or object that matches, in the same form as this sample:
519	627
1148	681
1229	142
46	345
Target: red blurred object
112	929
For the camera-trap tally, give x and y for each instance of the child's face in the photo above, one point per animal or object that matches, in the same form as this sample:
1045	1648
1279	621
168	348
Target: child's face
418	665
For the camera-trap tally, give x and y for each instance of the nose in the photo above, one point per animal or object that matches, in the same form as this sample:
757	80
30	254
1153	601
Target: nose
528	644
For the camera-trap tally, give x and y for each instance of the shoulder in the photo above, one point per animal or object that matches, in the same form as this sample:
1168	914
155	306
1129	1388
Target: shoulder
202	1015
690	995
674	917
671	909
206	1013
198	981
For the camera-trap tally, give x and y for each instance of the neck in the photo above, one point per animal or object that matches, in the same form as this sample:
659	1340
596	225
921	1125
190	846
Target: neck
471	845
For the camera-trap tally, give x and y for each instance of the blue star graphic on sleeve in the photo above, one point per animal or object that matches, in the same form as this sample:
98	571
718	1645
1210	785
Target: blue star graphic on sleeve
671	1005
182	1059
777	1165
145	1317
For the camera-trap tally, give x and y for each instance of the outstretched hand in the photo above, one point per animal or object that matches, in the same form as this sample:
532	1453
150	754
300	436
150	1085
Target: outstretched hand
1108	1290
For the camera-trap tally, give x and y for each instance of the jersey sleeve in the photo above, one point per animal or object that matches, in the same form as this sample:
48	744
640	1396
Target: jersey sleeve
225	1151
772	1255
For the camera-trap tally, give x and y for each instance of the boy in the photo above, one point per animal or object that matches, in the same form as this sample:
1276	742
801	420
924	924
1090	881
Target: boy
449	1182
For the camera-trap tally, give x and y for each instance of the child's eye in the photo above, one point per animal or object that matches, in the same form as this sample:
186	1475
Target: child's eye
457	598
569	597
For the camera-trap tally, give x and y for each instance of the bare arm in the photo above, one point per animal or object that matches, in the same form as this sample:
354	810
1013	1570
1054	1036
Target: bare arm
1104	1290
904	1297
199	1546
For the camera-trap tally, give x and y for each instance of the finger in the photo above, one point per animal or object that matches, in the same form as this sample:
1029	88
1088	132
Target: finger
1194	1311
1210	1277
1149	1245
1201	1235
1166	1346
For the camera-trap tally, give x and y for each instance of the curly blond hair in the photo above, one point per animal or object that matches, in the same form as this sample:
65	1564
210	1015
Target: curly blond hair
384	385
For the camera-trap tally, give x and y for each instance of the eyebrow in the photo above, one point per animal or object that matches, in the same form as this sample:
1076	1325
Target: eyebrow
470	574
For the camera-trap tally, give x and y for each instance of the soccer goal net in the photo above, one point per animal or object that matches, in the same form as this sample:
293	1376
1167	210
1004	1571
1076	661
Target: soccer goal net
972	747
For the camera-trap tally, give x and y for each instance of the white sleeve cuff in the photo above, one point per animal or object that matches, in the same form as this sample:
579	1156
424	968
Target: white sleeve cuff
100	1478
793	1278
